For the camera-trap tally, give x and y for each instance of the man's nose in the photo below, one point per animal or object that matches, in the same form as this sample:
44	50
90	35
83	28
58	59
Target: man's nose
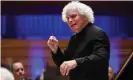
20	71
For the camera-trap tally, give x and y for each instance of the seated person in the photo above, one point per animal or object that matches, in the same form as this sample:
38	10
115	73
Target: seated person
18	69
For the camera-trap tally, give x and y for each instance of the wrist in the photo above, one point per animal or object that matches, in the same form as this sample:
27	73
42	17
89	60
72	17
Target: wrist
75	63
55	50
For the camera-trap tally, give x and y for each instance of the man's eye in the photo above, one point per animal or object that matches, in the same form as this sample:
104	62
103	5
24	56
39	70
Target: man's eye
73	16
67	17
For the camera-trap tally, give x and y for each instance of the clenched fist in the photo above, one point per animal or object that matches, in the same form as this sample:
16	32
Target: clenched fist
53	43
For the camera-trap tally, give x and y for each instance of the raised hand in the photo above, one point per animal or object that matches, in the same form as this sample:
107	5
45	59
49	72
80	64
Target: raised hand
53	43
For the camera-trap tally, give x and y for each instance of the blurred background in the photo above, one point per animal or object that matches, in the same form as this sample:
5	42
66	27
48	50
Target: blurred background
27	25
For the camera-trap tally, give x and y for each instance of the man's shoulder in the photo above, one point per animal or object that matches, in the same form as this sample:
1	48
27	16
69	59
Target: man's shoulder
94	29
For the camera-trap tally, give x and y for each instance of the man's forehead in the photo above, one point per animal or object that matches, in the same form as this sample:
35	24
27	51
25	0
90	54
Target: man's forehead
18	64
69	13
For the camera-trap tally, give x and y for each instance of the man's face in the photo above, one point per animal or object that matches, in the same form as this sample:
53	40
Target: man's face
75	21
18	68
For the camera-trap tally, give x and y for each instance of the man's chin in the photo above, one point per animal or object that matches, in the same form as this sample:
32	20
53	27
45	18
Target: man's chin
73	30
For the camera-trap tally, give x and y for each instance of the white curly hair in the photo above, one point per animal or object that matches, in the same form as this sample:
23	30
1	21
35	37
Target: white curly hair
81	8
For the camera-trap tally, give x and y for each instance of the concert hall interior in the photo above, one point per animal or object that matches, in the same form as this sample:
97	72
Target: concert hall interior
27	25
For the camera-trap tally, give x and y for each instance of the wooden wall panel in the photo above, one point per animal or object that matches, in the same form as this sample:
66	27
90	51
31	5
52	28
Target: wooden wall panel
20	50
12	50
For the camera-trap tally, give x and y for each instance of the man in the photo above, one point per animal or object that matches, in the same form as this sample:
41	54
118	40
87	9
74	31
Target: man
18	69
88	51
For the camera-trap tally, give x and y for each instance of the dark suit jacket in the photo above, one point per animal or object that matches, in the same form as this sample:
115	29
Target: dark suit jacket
91	50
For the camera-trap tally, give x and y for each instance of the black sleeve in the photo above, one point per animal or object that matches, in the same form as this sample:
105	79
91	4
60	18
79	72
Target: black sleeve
100	53
60	56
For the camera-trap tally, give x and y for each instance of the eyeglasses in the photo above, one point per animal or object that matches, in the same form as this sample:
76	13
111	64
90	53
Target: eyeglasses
17	70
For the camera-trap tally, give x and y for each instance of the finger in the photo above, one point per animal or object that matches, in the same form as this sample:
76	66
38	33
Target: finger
67	71
49	43
61	68
52	40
